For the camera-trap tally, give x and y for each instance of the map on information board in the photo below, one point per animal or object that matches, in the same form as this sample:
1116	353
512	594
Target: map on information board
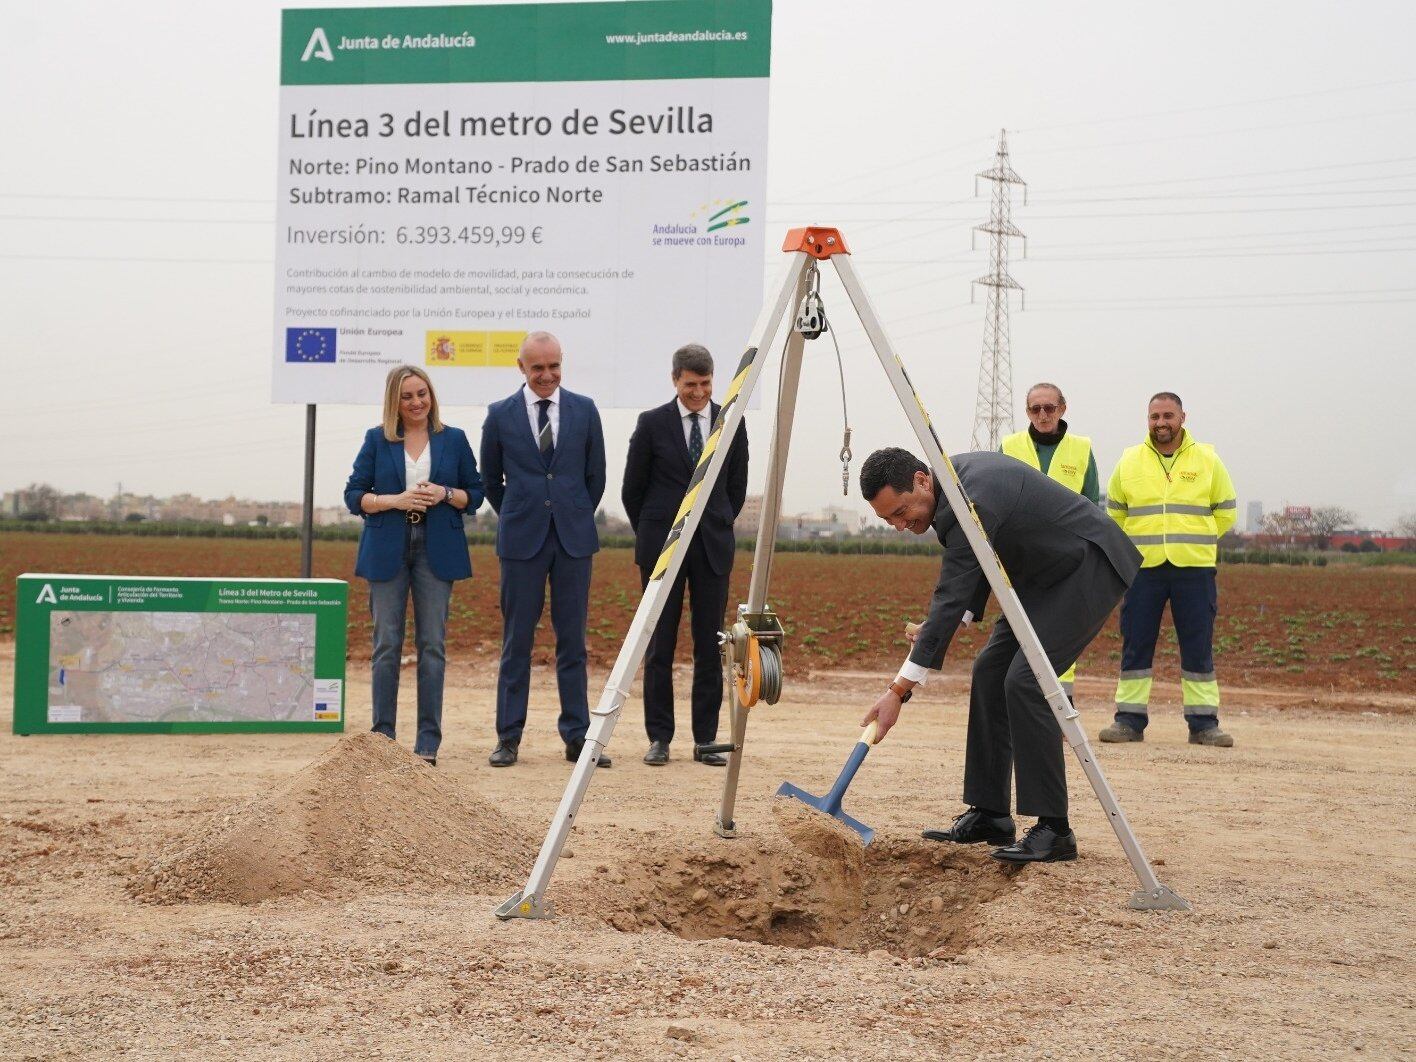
168	655
147	667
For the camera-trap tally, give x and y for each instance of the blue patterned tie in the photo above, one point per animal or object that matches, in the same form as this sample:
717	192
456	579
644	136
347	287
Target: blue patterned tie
695	440
544	439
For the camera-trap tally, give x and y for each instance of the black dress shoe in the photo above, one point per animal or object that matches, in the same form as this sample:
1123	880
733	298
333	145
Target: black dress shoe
712	759
505	754
428	758
658	754
974	827
574	748
1041	844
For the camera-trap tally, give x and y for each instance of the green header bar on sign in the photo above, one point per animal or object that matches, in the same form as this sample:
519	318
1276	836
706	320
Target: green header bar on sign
636	41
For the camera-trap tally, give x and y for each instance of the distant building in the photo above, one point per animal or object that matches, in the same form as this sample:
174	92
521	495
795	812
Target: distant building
834	521
1254	517
335	516
1368	540
750	519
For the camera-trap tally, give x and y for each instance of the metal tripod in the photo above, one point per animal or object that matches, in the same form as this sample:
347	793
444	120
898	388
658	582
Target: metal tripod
761	642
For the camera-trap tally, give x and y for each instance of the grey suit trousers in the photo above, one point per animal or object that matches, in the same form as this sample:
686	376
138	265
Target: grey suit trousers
1011	727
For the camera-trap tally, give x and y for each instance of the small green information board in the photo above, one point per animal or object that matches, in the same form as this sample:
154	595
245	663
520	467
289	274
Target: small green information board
141	655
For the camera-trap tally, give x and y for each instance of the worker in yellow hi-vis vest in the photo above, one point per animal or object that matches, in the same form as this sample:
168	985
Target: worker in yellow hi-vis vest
1050	448
1174	499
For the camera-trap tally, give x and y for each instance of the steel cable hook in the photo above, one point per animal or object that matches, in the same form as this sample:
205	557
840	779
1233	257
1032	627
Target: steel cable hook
845	454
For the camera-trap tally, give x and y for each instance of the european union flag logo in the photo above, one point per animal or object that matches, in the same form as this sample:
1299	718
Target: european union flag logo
310	344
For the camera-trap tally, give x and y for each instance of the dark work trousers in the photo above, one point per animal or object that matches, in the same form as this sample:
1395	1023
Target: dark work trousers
1194	603
708	598
1011	726
523	599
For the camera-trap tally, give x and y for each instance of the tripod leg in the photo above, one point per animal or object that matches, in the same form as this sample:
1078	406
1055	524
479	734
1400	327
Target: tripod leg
529	901
724	825
766	541
1152	895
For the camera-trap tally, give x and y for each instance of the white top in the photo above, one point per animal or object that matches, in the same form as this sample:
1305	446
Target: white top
533	412
414	472
918	673
705	421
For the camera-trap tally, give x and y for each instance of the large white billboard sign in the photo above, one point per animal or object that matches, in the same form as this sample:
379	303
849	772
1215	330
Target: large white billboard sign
451	178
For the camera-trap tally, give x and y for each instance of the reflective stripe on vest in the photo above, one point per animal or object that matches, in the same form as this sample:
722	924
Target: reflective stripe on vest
1169	517
1069	460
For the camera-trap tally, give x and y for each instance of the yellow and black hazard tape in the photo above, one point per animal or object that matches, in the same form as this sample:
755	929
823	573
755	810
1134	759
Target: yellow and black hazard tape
925	414
700	471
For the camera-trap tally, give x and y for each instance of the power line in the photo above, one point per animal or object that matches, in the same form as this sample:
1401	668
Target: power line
1229	105
1244	176
971	142
125	259
141	221
1228	306
184	395
1245	235
1159	213
1227	132
100	457
131	198
777	203
1249	295
1221	254
1224	195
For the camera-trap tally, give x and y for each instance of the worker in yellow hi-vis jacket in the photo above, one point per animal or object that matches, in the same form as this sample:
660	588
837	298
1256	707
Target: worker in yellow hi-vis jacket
1173	497
1048	446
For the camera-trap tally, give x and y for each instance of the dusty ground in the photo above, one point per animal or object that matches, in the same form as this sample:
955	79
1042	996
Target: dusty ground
1296	848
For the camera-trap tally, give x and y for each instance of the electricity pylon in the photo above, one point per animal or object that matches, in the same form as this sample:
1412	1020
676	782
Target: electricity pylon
993	409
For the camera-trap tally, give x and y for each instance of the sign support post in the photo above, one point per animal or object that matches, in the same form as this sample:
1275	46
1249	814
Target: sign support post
307	515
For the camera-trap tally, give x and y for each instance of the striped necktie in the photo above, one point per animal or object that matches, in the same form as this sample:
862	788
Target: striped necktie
544	439
695	440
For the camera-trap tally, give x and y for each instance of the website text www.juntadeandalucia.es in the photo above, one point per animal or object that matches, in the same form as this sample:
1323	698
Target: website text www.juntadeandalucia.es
693	36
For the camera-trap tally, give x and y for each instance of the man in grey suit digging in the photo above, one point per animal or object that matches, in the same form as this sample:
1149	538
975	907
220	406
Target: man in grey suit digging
1070	565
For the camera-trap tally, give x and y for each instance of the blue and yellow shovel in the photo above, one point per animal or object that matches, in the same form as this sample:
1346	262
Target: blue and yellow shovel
831	802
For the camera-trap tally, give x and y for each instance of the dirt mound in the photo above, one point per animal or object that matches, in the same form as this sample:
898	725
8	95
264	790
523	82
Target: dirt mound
804	882
366	812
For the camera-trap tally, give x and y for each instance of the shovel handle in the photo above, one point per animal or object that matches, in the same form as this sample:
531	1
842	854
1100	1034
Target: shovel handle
868	735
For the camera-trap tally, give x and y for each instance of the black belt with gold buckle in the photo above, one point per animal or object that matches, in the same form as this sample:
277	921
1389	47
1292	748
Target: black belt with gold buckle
414	517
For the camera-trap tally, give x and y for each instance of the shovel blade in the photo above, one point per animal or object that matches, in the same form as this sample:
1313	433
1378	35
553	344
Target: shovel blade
867	833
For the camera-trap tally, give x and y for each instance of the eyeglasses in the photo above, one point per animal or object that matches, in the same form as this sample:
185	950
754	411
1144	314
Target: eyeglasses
1049	409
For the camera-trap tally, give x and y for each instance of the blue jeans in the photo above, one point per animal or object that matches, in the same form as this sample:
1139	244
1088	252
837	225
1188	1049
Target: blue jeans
388	603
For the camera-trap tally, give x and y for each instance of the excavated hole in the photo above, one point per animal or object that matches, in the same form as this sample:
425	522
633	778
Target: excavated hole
804	882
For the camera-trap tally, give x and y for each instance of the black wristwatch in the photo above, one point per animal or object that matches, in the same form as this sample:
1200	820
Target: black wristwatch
447	495
902	693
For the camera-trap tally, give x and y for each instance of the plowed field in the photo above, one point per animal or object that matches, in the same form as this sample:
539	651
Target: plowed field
1339	628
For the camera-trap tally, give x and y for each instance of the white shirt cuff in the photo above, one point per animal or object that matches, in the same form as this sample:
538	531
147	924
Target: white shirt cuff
916	673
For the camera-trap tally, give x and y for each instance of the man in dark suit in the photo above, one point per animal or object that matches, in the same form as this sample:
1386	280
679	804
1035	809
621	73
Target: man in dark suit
543	459
663	451
1069	567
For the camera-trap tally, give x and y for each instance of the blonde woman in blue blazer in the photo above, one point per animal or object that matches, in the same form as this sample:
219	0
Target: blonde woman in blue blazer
414	480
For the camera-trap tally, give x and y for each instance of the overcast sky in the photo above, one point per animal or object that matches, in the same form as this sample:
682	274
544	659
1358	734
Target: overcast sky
1222	203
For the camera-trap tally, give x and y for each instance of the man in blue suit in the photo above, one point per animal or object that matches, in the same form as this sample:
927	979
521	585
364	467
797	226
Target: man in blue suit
543	462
